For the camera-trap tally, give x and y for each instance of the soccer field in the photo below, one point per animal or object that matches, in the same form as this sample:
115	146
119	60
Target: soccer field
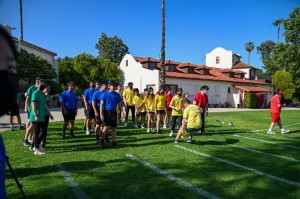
240	161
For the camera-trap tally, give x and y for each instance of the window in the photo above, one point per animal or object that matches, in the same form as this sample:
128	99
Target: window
127	62
217	91
217	60
152	65
229	90
172	68
190	70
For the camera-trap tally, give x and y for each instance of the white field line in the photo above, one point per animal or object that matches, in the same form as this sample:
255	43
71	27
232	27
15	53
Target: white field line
269	142
241	166
68	178
281	138
254	131
180	181
255	151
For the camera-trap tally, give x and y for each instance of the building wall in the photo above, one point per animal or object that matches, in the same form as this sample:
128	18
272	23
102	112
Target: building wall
135	73
225	58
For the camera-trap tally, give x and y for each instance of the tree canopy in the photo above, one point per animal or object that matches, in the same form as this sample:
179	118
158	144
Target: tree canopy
285	56
112	48
283	81
30	66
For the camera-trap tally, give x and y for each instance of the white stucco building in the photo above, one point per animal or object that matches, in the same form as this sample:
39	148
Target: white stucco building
227	83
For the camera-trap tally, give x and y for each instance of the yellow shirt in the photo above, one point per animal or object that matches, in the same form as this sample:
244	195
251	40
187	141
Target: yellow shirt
138	101
149	102
128	95
177	102
160	102
193	116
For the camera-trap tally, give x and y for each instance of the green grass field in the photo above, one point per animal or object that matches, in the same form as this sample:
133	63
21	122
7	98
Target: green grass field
230	162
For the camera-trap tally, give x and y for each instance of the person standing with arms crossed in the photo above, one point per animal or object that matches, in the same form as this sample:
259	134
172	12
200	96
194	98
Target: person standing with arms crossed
201	100
275	109
69	108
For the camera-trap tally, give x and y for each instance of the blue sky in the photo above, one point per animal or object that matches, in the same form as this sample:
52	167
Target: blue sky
193	27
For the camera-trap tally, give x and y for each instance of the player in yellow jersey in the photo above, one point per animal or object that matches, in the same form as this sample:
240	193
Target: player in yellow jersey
149	104
139	108
160	108
191	122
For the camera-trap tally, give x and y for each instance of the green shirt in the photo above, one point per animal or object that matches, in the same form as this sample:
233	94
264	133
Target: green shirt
40	103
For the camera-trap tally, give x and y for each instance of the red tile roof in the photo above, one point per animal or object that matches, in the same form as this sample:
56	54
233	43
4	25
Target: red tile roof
240	65
215	74
254	89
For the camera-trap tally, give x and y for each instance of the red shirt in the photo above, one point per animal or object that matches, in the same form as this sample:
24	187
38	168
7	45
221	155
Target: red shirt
275	101
201	101
168	101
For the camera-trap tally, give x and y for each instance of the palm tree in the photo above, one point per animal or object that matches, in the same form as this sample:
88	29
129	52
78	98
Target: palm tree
162	74
265	49
21	20
249	47
278	23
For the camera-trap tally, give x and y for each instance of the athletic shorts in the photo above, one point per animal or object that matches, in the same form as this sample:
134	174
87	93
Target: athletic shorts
90	113
97	119
143	114
70	115
160	112
275	117
110	118
14	110
191	130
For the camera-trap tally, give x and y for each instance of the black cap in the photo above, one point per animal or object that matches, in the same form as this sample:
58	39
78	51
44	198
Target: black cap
179	89
130	83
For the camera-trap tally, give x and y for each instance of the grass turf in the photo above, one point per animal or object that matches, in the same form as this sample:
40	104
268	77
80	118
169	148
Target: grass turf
109	173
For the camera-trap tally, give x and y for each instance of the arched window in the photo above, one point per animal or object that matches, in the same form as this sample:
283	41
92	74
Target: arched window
217	60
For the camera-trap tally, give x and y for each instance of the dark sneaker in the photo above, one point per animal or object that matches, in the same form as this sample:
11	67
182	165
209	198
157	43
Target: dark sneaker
158	133
72	135
102	144
175	141
115	145
106	138
25	143
63	134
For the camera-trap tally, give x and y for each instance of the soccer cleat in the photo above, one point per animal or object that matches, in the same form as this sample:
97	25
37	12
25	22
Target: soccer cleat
39	152
271	132
171	134
87	132
284	131
32	148
148	130
115	145
175	141
142	126
126	125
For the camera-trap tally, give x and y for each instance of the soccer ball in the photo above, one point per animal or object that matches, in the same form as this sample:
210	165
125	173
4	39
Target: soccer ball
230	124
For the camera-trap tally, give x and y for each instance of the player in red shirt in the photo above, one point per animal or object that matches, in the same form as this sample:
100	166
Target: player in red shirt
201	100
275	109
169	97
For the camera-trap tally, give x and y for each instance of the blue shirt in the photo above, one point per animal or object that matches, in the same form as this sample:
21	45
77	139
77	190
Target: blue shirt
96	97
110	99
69	99
88	94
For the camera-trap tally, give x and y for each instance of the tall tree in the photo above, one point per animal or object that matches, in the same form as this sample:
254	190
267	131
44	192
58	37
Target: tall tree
249	47
265	49
162	73
30	66
284	81
278	23
112	48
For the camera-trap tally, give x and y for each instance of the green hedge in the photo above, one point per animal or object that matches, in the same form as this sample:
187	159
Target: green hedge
250	100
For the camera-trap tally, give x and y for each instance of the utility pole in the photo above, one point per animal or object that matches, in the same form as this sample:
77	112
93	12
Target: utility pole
21	21
162	59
